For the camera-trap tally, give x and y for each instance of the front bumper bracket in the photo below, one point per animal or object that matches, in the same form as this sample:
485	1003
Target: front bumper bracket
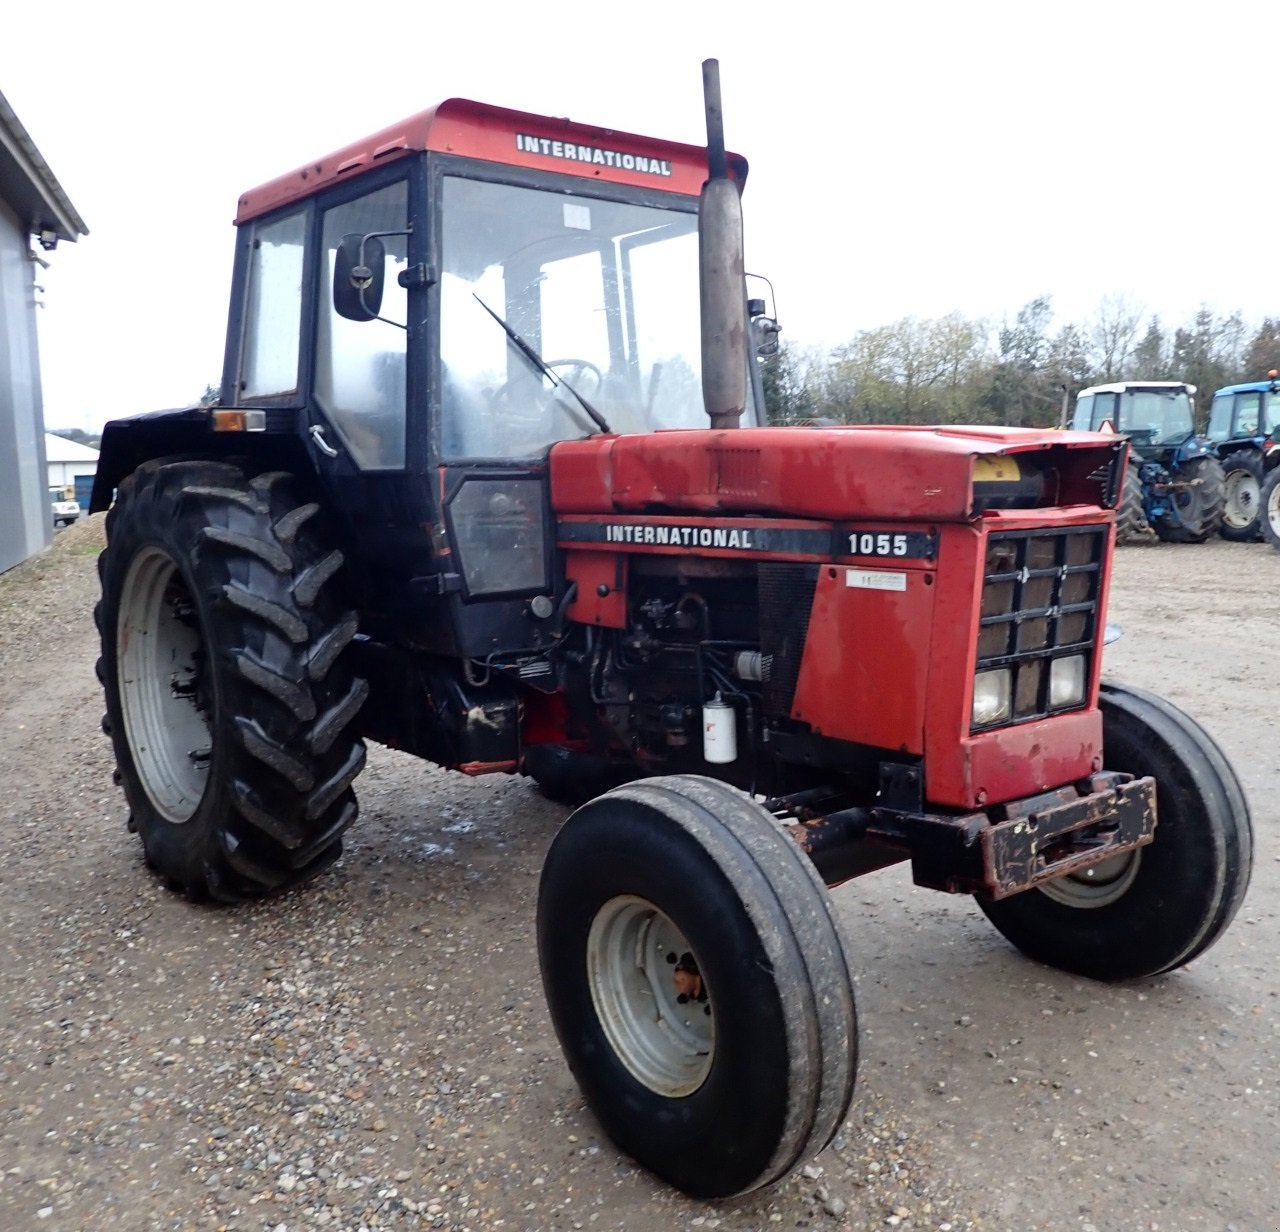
1021	845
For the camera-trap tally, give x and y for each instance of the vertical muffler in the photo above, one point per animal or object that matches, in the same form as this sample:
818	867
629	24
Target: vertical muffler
721	272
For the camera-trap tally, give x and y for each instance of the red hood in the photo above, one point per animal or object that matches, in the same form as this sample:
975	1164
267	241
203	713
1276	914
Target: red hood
916	473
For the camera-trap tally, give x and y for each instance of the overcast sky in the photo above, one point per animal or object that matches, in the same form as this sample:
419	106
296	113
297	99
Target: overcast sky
907	159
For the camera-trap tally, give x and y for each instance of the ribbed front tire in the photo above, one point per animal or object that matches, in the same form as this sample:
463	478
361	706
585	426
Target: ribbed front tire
1154	909
698	982
229	700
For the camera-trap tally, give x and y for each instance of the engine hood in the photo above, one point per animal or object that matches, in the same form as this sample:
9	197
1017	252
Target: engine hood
907	473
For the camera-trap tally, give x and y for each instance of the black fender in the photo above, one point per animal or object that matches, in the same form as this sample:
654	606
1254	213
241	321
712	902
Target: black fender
189	433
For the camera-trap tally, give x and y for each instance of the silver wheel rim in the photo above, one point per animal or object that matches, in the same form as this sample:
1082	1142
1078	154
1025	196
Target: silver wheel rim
639	967
1273	508
1098	886
159	655
1241	505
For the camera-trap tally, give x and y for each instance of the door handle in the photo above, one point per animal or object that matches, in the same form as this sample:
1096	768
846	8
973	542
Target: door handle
317	435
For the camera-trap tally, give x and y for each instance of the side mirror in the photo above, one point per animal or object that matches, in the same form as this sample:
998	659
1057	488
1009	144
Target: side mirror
764	329
359	271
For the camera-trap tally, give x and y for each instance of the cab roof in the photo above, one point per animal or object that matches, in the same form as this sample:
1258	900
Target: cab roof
1119	387
1249	387
497	134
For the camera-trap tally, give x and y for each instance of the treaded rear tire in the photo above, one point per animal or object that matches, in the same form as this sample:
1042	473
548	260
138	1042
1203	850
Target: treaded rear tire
691	858
221	625
1131	518
1199	506
1241	489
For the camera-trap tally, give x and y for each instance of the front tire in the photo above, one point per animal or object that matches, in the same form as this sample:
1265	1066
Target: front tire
1241	496
698	983
229	702
1154	909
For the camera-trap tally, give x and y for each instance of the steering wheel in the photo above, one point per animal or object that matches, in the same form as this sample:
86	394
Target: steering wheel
576	370
524	414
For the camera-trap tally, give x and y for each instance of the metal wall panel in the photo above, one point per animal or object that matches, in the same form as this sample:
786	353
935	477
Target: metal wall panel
26	524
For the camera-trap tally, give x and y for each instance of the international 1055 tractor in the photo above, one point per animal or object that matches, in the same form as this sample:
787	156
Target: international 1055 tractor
489	483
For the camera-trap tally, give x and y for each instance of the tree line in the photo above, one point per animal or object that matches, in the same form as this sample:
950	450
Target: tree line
1020	372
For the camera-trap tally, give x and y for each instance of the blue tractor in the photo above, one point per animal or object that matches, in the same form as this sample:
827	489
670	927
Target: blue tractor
1243	423
1174	483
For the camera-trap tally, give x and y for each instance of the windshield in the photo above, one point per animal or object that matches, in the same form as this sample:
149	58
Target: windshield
604	292
1155	416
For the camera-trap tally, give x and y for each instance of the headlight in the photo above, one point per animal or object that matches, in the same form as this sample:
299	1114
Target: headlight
992	696
1066	682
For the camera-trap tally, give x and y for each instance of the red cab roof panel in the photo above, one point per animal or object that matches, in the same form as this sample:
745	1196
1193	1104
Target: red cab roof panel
497	134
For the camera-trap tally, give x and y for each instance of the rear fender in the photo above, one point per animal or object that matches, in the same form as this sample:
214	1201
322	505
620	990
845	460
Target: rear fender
188	433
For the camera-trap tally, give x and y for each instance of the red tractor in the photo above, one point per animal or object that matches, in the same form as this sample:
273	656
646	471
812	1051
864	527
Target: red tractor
460	496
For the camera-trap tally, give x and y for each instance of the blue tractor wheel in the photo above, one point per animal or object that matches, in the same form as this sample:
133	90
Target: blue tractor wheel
1242	493
1194	510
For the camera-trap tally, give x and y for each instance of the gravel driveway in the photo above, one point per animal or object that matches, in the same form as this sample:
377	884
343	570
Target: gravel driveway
373	1051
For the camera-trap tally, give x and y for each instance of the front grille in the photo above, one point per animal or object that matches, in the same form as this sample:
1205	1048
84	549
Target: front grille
1039	604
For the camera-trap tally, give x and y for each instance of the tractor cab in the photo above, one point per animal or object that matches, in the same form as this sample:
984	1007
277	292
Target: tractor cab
477	285
1156	416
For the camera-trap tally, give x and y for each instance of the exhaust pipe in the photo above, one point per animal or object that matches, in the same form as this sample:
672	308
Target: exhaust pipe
721	278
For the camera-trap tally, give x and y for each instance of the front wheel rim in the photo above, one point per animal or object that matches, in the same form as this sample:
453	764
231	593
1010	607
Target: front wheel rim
1100	885
160	663
650	996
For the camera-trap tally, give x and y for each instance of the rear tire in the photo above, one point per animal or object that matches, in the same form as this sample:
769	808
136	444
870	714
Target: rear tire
1196	511
1154	909
1241	496
685	887
1269	500
1131	517
229	701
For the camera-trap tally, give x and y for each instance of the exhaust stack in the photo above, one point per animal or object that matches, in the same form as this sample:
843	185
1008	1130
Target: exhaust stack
720	272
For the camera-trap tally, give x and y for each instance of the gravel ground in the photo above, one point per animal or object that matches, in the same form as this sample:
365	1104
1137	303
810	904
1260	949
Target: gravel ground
372	1052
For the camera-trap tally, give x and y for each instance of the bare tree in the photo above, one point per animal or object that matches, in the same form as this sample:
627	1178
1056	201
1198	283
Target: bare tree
1112	333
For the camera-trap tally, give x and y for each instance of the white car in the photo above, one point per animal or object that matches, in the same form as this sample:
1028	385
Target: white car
64	511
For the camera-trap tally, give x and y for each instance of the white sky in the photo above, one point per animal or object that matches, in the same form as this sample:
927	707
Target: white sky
907	159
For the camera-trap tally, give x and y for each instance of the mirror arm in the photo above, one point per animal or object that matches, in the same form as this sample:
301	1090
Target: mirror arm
363	284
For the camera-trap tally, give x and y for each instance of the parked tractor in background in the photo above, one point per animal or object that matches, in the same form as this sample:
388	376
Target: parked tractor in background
769	659
1173	486
1243	423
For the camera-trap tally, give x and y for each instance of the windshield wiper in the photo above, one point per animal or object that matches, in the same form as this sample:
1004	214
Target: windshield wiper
542	366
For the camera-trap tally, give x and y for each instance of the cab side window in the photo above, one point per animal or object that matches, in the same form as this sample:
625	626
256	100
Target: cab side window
273	308
1104	410
360	365
1247	407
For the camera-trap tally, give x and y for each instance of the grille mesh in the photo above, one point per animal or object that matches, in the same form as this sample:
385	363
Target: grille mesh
1040	603
786	600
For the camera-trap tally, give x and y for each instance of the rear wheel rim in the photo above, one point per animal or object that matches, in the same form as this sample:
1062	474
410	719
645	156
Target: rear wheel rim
1097	886
650	997
1241	505
161	660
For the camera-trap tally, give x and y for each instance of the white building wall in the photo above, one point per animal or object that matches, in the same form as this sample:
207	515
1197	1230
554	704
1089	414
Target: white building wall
63	474
26	525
